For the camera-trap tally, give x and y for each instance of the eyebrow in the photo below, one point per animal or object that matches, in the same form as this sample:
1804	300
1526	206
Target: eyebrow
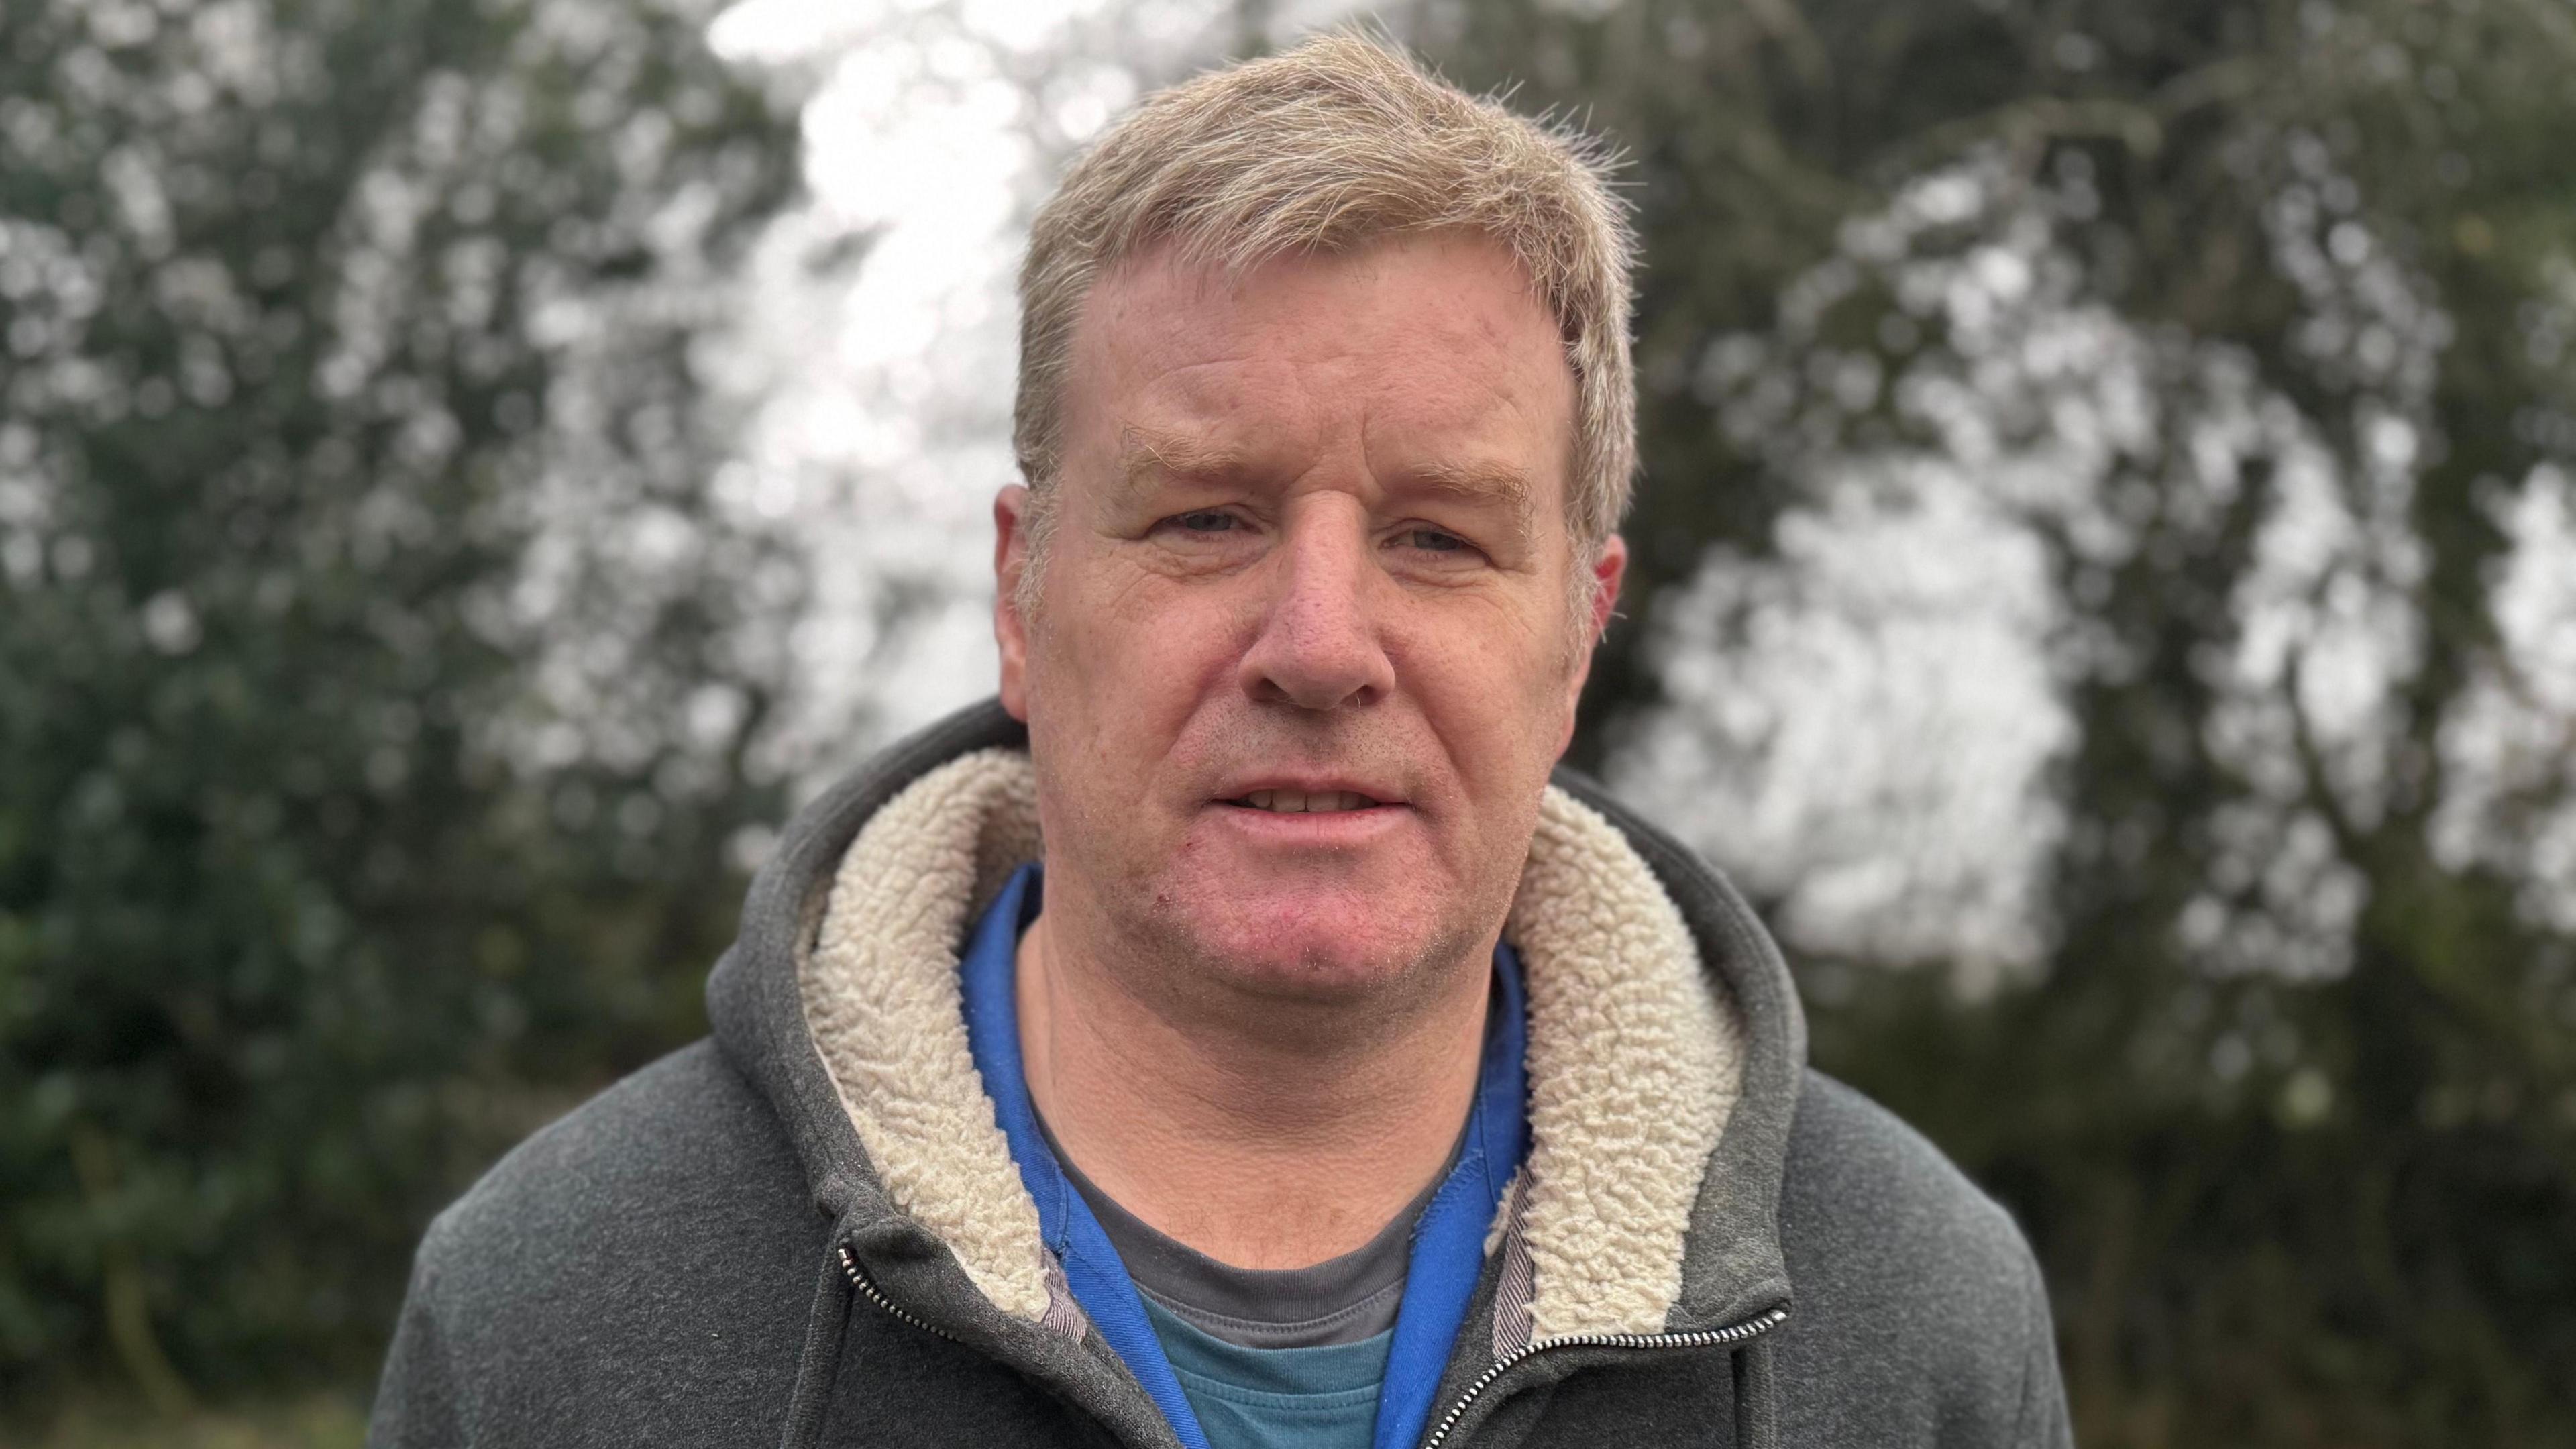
1485	483
1147	456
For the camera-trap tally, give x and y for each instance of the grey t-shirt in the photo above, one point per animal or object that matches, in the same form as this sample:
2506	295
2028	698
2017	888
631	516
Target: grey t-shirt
1340	1300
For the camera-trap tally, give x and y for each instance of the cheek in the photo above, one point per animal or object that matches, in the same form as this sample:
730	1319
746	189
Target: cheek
1495	690
1122	660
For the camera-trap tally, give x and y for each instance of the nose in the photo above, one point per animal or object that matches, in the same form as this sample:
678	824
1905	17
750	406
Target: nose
1319	645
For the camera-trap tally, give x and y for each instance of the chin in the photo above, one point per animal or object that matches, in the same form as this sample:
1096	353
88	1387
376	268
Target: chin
1323	947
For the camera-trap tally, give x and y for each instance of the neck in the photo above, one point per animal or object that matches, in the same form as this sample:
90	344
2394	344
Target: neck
1263	1134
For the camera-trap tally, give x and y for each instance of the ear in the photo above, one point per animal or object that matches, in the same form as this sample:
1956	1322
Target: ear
1010	561
1609	569
1608	572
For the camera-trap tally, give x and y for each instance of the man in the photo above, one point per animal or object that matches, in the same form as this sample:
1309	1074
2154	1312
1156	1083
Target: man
1232	1037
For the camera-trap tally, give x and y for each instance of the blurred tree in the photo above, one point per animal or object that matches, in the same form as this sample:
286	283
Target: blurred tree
2212	362
375	658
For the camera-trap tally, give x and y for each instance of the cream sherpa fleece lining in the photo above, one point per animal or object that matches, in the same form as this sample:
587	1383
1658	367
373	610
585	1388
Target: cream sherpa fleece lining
1634	1063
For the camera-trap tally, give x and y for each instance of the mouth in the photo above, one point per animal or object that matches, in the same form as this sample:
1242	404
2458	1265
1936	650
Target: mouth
1303	802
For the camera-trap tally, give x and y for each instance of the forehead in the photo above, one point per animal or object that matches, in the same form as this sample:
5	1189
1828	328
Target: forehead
1427	352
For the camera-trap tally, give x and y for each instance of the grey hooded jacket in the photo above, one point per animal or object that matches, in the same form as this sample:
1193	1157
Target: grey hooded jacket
808	1231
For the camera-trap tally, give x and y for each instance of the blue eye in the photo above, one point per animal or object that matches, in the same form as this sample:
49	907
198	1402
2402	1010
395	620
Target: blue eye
1208	520
1432	540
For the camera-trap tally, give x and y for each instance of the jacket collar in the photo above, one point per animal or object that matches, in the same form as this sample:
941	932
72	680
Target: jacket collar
1666	1046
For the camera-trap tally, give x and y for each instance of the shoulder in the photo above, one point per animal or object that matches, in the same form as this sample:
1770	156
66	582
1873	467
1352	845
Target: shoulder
1918	1313
680	1131
653	1250
1861	1178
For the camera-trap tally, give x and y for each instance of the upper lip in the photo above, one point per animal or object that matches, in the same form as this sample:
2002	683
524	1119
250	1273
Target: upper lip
1378	791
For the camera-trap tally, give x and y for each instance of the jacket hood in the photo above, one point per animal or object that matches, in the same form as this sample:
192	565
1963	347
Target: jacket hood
1664	1059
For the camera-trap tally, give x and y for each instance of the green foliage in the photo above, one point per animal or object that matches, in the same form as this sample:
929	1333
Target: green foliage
321	1421
347	379
2280	1204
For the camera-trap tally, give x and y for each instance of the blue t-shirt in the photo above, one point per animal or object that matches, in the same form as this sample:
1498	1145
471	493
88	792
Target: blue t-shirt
1323	1397
1322	1406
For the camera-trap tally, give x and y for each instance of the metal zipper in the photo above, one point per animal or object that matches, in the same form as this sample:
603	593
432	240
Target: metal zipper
1751	1328
859	1280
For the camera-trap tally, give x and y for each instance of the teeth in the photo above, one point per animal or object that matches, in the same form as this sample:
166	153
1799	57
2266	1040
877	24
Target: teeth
1299	802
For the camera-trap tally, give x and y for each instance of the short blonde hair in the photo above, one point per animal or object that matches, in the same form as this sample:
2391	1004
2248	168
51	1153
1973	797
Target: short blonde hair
1325	147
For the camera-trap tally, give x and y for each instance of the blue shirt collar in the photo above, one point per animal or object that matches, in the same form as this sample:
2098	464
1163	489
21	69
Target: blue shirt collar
1448	1241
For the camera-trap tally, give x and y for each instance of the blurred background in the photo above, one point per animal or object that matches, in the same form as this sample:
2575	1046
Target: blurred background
2106	585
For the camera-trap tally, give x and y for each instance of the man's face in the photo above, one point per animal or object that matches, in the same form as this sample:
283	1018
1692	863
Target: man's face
1301	659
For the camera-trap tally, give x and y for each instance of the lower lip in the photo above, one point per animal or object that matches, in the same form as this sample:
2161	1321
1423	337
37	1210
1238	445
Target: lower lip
1313	827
